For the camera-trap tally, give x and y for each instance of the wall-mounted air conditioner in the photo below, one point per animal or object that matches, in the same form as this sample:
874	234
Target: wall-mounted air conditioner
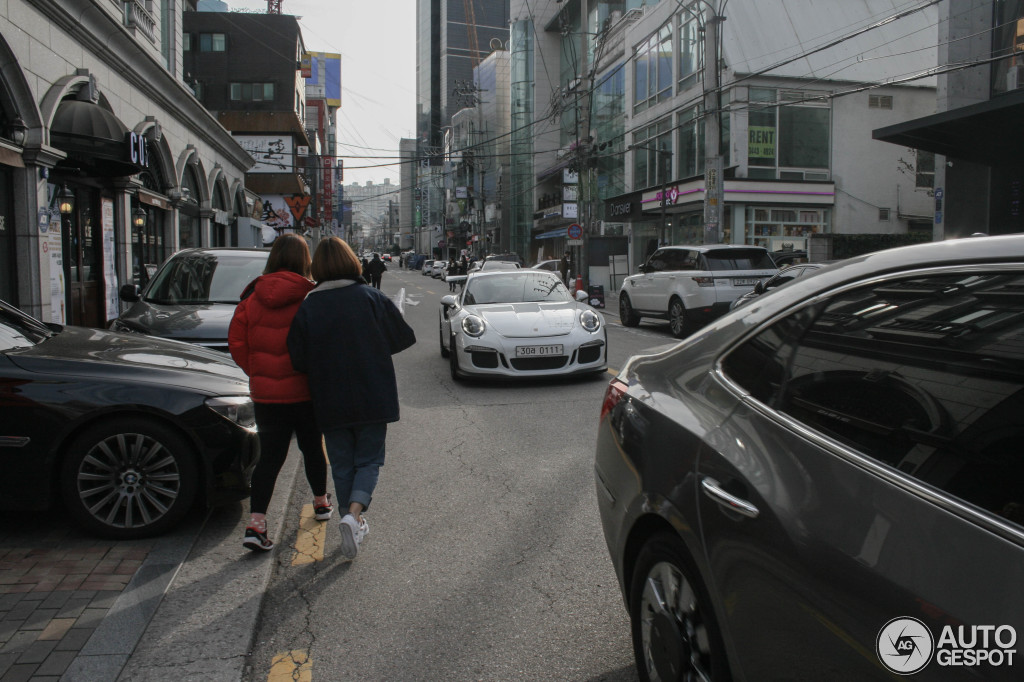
1015	77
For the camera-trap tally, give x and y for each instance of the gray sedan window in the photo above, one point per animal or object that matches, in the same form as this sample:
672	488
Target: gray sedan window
923	374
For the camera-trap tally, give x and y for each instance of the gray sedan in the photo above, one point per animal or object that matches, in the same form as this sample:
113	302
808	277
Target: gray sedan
829	484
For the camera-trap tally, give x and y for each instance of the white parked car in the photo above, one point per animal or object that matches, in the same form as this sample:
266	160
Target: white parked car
438	267
520	323
692	285
549	265
427	265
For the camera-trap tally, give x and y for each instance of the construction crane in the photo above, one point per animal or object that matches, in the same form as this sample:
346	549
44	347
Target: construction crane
474	47
274	6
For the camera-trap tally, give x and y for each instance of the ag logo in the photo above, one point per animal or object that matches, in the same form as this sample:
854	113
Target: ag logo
905	645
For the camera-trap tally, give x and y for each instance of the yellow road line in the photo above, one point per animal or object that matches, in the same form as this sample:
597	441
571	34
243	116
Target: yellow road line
309	544
293	666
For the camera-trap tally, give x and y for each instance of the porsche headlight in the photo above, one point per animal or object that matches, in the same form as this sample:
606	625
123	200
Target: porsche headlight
473	326
590	320
238	409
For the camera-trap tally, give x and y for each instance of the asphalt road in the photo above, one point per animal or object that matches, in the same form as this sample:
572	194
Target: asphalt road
485	558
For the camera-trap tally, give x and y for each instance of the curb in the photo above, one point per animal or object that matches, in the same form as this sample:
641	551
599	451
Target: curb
192	608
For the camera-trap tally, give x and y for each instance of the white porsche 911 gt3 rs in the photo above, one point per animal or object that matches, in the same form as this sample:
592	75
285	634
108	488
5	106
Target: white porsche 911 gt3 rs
520	323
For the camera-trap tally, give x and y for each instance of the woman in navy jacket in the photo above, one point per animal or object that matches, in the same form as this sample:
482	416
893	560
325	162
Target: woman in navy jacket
342	338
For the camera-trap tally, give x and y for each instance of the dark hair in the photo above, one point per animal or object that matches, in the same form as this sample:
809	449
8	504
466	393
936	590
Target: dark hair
334	259
289	252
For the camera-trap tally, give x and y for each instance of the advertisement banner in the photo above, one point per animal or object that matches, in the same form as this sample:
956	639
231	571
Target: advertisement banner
271	153
328	191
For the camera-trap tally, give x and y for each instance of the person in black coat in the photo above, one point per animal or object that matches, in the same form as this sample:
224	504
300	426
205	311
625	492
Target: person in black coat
375	269
343	337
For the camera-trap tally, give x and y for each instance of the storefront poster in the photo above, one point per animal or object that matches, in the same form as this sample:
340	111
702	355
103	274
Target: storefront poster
109	264
52	249
762	142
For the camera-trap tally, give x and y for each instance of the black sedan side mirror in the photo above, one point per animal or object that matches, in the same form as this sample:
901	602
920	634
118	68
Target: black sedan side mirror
759	287
130	292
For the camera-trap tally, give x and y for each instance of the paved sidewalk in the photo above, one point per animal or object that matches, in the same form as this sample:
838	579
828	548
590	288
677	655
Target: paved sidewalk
181	606
53	596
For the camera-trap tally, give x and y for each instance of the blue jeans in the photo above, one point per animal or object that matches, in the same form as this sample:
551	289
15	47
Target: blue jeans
356	456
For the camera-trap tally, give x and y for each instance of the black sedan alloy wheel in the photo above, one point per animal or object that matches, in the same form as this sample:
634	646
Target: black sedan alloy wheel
674	636
128	479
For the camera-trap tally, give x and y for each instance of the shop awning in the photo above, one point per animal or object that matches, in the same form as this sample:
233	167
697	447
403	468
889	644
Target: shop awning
983	133
551	234
94	139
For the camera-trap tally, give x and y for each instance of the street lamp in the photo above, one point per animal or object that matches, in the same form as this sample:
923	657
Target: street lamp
65	201
139	218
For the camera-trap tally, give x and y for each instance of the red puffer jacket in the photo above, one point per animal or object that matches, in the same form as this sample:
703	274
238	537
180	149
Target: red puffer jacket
257	335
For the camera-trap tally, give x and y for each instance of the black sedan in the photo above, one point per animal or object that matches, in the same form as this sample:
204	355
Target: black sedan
828	482
128	431
192	296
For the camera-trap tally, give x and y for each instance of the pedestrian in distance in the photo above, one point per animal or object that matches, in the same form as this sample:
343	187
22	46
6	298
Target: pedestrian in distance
563	268
375	269
343	337
257	339
451	270
462	272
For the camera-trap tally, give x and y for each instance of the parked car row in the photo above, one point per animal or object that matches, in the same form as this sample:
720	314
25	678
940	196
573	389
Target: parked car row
827	484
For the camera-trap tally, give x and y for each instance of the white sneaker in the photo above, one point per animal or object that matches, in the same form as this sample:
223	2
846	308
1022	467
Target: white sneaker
352	533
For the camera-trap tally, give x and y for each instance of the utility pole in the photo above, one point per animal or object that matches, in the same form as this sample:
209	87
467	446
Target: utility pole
714	190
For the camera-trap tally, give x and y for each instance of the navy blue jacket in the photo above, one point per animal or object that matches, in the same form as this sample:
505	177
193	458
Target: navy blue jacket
343	337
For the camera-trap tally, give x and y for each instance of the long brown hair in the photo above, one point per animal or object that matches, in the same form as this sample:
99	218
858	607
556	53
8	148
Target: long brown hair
291	253
334	259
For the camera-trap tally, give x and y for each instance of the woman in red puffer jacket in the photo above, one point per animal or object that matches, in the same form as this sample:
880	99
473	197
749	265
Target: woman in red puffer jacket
256	339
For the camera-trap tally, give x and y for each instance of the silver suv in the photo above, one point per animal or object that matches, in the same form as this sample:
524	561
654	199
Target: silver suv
692	285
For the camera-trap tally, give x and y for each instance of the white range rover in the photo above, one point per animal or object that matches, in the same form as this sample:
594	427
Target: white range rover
692	285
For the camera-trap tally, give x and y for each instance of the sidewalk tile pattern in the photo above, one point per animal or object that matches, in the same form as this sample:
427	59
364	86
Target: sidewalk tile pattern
54	592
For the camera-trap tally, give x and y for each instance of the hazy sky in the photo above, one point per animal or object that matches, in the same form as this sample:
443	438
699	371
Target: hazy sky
377	44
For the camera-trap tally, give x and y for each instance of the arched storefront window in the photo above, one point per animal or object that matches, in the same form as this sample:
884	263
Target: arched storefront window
151	243
189	225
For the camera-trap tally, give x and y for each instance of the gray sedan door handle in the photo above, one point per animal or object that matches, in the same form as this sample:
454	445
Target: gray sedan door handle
714	490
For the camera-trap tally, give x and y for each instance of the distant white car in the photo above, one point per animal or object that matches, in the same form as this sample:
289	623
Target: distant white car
549	265
427	266
520	323
437	267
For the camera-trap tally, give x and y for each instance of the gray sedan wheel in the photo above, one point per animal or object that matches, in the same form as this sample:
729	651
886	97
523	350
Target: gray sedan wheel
674	633
128	478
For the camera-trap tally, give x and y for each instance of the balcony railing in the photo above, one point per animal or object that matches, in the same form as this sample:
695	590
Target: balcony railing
136	16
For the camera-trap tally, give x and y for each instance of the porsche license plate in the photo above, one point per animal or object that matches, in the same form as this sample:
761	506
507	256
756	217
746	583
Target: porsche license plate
744	282
538	351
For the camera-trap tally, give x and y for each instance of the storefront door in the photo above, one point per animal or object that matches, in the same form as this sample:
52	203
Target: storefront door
83	261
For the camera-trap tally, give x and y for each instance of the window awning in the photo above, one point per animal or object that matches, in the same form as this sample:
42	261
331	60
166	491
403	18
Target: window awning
551	234
982	133
94	139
